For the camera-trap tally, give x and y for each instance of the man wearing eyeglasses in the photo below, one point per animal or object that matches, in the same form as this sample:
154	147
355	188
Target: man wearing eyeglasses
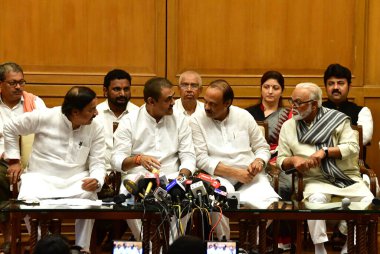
14	101
320	143
190	87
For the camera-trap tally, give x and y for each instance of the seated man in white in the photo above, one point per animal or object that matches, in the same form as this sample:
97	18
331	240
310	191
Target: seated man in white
229	145
67	159
154	137
321	144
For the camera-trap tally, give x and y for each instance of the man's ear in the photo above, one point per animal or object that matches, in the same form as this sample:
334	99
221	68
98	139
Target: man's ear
105	92
227	104
150	100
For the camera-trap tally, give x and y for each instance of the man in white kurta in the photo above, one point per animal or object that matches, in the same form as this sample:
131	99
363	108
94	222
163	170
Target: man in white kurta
117	90
190	87
229	144
309	158
67	159
154	137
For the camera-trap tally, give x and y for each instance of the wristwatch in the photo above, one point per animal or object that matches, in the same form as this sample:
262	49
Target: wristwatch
326	150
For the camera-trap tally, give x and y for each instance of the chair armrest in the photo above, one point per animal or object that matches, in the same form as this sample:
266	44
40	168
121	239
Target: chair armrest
300	185
371	174
274	172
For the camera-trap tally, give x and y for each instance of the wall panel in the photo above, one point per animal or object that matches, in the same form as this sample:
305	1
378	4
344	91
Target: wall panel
78	41
65	42
242	39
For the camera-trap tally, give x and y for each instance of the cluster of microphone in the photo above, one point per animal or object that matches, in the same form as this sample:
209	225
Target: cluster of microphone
201	190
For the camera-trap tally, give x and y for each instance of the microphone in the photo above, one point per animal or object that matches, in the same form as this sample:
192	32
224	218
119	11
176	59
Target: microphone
132	188
290	171
176	182
148	188
207	178
176	189
198	189
145	185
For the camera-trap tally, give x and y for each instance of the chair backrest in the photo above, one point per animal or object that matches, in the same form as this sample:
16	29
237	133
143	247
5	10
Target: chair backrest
359	129
264	129
26	143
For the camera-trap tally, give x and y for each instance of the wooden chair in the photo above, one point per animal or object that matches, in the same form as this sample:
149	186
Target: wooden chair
297	176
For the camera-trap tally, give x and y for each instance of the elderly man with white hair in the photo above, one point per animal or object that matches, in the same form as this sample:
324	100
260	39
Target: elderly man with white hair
321	144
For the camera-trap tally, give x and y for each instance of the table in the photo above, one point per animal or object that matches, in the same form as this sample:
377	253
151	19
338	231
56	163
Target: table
363	216
43	216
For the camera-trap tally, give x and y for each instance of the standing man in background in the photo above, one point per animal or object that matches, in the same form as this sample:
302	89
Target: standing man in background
117	90
190	87
14	101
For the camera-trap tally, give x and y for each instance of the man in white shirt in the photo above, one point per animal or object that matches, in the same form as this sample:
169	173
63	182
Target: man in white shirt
229	145
14	101
320	143
67	159
154	137
117	90
190	87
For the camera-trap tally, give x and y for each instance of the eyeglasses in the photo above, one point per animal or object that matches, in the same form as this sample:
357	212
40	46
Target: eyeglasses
298	103
14	83
192	85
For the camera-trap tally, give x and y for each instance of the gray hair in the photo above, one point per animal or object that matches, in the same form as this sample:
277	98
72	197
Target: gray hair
8	67
196	74
315	91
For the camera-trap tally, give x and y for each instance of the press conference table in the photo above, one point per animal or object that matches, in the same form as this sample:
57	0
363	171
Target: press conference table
363	216
42	215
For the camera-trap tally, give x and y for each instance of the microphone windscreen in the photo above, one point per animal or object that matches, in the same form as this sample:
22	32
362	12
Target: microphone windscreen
131	187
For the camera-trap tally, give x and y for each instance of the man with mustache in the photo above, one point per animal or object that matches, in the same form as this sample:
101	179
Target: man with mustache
230	146
117	90
14	102
67	158
337	79
190	87
154	137
320	143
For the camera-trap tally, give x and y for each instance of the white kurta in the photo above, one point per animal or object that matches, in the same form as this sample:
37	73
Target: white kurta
169	141
61	157
236	141
366	121
347	141
7	113
107	117
178	106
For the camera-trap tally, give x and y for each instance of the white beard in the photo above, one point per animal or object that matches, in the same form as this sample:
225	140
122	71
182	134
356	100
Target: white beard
304	114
